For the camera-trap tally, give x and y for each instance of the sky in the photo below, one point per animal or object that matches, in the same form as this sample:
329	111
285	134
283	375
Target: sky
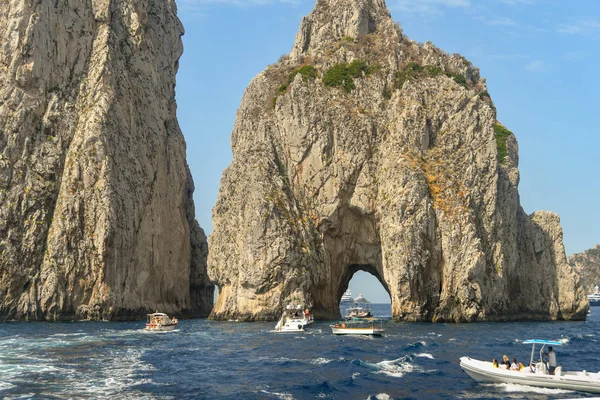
540	59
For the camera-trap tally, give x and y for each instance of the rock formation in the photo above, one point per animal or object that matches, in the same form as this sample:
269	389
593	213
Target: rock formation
587	266
96	212
363	150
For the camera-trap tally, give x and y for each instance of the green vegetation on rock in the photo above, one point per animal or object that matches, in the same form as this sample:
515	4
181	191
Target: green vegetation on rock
343	74
501	134
414	70
307	72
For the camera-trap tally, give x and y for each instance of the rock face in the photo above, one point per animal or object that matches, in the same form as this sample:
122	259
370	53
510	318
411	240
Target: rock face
96	212
587	266
363	150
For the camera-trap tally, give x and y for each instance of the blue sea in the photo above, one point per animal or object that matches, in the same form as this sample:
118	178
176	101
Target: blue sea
231	360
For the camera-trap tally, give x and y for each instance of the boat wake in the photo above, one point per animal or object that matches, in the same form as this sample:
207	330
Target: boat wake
513	387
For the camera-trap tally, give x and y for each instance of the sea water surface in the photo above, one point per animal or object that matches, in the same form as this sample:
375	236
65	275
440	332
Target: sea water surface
232	360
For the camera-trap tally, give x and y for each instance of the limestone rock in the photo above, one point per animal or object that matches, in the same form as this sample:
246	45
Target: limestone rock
96	212
587	266
364	150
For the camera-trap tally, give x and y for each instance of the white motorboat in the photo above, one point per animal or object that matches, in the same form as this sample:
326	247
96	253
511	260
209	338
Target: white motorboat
357	313
347	297
294	319
160	322
535	375
594	298
366	326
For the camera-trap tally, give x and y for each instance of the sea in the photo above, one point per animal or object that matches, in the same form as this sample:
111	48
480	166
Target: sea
205	359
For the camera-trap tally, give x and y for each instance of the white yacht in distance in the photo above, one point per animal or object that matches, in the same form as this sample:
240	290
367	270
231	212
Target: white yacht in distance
594	298
361	299
347	297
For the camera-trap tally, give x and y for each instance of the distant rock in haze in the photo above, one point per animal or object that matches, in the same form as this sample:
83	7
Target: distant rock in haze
363	150
96	212
587	265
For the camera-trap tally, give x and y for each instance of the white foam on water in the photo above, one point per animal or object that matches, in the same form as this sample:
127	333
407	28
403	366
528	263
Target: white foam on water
355	375
6	385
283	396
513	387
67	334
564	340
383	396
424	355
396	368
320	361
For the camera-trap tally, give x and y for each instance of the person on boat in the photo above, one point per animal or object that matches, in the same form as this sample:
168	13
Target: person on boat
521	366
505	362
551	360
532	367
306	313
495	363
514	366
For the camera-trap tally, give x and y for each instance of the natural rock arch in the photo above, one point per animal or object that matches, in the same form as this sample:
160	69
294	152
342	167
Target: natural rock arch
364	148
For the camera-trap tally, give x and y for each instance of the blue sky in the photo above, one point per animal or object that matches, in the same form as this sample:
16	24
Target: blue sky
540	59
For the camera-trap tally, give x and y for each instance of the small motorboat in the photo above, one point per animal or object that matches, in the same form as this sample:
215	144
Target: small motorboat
294	319
536	374
357	312
365	326
160	322
594	298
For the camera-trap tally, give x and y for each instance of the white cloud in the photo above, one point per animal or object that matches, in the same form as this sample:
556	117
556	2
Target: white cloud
535	66
581	26
427	7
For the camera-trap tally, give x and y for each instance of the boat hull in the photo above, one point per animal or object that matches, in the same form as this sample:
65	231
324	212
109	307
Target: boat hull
160	328
357	331
482	371
292	325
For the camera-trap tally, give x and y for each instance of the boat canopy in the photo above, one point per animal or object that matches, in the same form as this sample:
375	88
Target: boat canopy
541	341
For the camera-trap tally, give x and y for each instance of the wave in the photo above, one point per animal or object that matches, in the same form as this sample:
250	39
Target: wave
283	396
426	355
380	396
320	361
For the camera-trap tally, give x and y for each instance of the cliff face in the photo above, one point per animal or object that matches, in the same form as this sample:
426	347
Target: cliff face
363	150
587	266
96	212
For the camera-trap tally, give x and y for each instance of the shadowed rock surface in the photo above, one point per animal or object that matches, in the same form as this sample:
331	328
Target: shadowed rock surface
587	265
96	212
363	150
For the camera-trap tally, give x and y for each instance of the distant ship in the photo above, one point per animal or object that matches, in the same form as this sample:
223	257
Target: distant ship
347	297
594	298
361	299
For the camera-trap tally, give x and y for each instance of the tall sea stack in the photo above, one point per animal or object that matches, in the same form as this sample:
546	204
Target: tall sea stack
364	150
96	212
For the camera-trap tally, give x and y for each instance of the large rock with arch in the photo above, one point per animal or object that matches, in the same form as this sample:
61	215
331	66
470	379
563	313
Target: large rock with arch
363	150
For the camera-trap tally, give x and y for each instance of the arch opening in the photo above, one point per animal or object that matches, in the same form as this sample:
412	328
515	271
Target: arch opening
365	286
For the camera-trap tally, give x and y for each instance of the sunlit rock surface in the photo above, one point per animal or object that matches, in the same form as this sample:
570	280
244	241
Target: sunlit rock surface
402	171
96	212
